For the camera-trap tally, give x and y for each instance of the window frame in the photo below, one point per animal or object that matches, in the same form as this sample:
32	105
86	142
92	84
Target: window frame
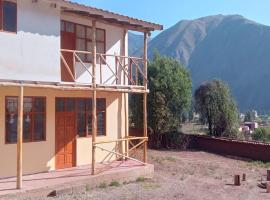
86	40
103	111
2	17
32	113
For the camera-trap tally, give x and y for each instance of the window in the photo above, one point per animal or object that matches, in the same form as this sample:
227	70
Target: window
34	122
84	39
8	16
84	117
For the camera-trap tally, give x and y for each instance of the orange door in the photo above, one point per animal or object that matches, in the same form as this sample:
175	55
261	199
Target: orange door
68	42
65	133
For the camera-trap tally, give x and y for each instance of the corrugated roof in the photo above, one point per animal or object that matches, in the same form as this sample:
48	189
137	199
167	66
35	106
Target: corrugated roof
110	15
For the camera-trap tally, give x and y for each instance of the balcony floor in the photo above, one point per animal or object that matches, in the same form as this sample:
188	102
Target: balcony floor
44	183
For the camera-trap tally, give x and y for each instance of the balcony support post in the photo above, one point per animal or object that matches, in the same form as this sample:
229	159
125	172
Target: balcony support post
20	139
125	95
94	96
145	96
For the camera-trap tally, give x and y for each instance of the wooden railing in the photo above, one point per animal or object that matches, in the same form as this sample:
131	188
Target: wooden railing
111	69
126	148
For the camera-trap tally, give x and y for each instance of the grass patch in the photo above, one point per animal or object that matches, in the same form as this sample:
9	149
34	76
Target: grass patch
103	185
259	164
149	186
87	188
140	179
172	159
114	184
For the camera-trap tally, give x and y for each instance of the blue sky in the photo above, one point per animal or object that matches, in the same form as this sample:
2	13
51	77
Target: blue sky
169	12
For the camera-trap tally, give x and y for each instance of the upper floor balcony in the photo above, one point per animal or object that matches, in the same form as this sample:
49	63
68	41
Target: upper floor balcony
110	70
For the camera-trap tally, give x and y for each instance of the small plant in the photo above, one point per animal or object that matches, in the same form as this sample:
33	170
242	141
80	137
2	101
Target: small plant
140	179
172	159
87	188
103	185
259	164
150	186
114	184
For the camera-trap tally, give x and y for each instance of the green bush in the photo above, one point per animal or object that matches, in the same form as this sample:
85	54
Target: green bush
261	134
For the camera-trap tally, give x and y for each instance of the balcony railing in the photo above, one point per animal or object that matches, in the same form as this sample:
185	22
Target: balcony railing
110	69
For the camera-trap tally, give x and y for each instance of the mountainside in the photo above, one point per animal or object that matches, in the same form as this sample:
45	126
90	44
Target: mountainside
230	48
135	43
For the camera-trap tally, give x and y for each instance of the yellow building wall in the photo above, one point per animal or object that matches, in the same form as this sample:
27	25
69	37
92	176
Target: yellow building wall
40	156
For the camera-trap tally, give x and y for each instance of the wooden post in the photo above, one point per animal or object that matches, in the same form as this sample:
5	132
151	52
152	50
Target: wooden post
268	175
268	187
237	180
19	139
94	99
145	97
244	177
125	95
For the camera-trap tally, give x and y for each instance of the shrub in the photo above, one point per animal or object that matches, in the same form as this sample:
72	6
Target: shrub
115	184
140	179
261	134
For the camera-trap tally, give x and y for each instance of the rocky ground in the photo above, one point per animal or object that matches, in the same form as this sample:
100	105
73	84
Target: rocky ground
183	175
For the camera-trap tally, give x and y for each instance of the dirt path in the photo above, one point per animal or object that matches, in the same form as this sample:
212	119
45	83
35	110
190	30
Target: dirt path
185	175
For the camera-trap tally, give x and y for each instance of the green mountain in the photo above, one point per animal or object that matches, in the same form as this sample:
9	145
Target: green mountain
231	48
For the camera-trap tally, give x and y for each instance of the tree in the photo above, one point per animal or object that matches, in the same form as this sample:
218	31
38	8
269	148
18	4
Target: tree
249	116
170	95
214	103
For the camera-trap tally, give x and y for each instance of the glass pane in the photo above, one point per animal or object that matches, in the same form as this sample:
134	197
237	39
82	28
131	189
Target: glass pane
60	105
70	105
11	128
70	27
101	104
89	33
62	26
80	105
100	47
100	123
27	121
88	106
27	104
80	31
100	35
81	126
39	127
89	49
80	46
39	104
9	16
12	105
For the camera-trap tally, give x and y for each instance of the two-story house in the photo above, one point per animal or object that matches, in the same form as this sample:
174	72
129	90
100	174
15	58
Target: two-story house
65	76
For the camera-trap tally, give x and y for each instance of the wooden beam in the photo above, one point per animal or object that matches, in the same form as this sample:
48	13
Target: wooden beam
19	139
94	99
145	96
125	95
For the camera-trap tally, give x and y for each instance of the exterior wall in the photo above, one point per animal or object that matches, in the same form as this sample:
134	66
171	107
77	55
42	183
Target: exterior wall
40	156
114	46
33	53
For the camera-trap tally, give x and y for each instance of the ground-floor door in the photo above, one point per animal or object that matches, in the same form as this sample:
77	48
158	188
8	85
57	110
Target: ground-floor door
65	133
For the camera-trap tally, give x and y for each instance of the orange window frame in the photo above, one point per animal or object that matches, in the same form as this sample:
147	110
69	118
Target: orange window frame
2	16
31	114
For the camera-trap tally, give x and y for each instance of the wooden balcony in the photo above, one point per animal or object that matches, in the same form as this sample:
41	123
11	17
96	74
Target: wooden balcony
112	71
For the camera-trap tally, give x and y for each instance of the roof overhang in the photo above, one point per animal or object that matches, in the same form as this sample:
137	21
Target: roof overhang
107	16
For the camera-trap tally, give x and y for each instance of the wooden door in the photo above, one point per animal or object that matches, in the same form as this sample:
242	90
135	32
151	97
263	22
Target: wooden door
68	41
65	133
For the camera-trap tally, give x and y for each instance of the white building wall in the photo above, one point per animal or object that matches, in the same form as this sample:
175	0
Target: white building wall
33	53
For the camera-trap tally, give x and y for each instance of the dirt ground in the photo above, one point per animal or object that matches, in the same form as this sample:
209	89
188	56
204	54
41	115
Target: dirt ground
185	175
